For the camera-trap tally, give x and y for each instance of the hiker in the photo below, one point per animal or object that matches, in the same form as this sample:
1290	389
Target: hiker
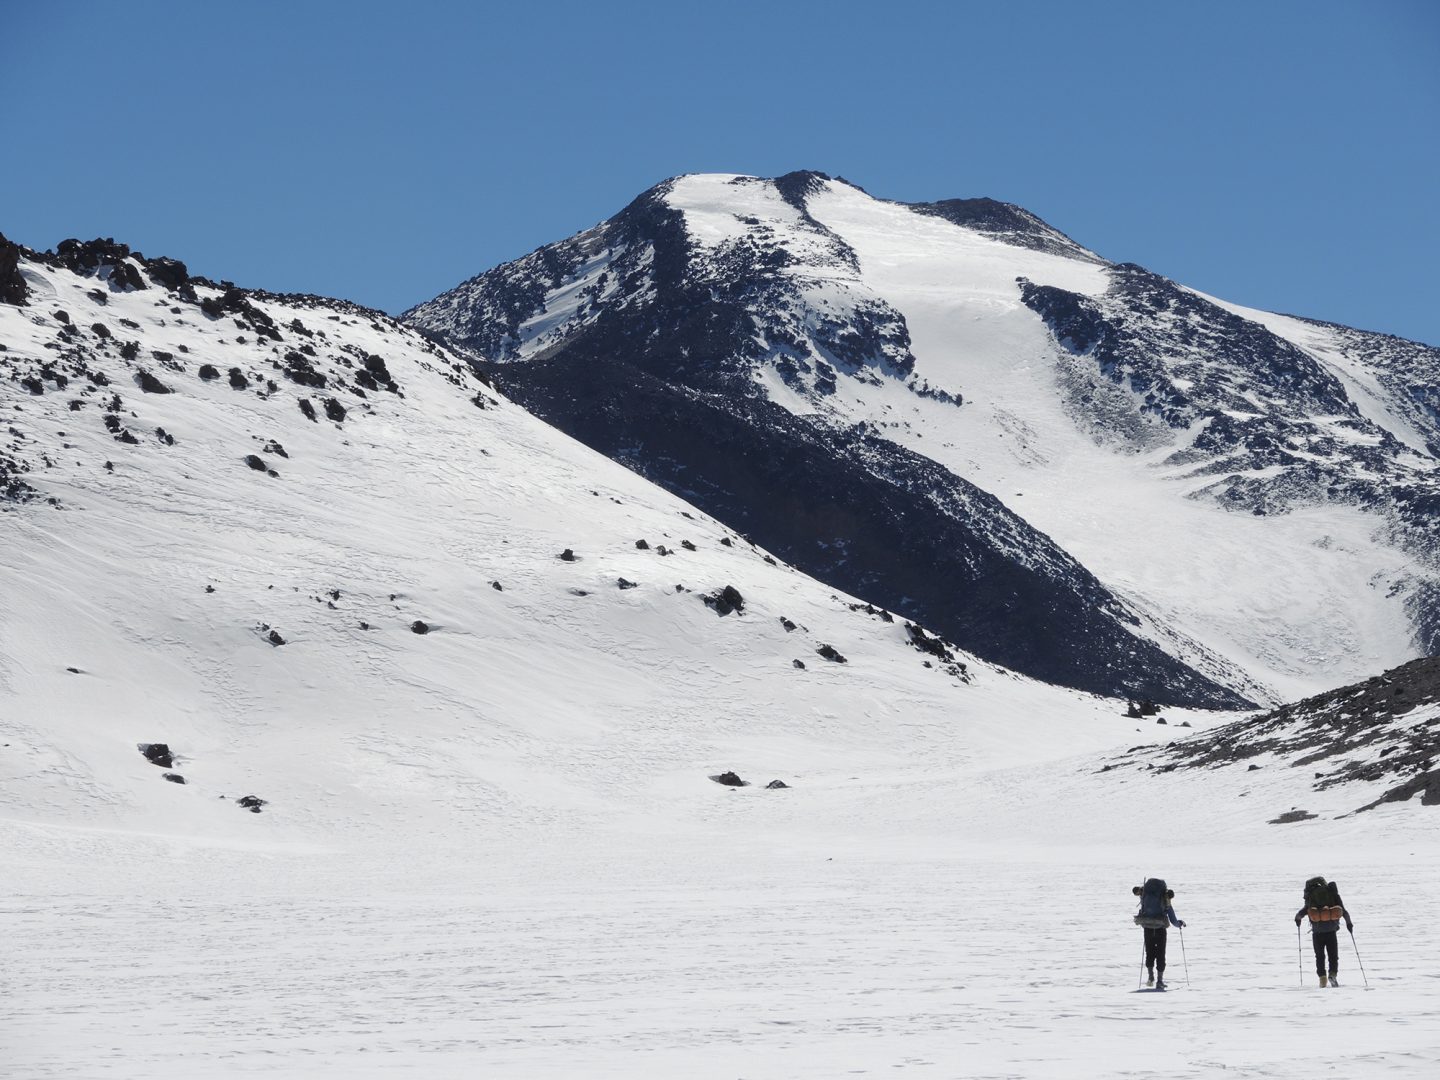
1325	909
1154	916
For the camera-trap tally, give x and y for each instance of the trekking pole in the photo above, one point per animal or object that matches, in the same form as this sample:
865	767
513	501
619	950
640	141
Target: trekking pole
1300	954
1358	960
1184	959
1140	983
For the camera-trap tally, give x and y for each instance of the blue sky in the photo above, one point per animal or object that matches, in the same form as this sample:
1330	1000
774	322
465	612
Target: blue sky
1284	155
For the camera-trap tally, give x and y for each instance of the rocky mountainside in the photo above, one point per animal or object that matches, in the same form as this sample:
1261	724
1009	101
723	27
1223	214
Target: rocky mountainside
1372	743
1102	478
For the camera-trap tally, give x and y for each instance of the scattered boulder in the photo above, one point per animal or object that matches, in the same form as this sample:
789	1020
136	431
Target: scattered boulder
725	540
174	778
209	371
150	384
334	410
829	653
253	803
1143	707
100	330
729	779
169	274
299	369
157	753
256	462
776	785
308	409
798	664
624	584
725	600
238	380
687	545
497	586
566	556
788	624
1291	816
274	638
642	545
419	626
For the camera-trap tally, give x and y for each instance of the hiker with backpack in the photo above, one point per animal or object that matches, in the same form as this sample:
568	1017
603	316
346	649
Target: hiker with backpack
1154	917
1325	909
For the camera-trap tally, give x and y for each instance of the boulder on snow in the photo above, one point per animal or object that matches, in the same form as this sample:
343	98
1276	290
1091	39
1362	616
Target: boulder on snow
776	785
566	556
174	778
419	626
729	779
830	653
150	384
725	600
253	803
1291	816
157	753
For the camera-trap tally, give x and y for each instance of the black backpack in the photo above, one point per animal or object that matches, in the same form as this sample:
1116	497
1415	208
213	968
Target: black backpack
1154	899
1323	905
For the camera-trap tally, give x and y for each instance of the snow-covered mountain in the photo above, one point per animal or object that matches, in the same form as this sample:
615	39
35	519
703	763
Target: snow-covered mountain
476	679
1075	468
270	532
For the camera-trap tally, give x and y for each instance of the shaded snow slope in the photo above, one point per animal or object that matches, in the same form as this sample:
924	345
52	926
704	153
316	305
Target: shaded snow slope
1258	492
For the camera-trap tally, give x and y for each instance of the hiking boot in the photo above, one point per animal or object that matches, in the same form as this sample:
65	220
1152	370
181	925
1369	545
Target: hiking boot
1334	981
1160	984
1150	978
1322	980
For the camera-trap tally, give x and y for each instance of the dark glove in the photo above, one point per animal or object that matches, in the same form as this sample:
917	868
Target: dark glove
1181	924
1297	919
1350	925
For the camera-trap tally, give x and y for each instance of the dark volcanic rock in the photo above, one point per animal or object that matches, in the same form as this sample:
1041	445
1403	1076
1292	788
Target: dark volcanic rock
725	600
729	779
13	289
253	803
1358	733
174	778
157	753
419	627
150	384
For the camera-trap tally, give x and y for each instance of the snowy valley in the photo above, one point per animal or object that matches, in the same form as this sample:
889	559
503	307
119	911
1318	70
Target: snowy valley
444	690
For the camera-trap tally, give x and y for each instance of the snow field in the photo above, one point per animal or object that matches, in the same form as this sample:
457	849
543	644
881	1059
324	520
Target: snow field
705	960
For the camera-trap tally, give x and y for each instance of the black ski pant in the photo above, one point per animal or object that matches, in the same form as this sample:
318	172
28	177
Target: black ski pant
1326	943
1155	948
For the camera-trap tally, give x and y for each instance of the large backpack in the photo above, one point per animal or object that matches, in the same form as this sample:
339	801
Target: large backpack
1154	899
1323	905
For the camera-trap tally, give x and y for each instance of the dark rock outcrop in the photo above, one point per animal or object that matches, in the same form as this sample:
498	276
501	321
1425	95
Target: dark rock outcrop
13	289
